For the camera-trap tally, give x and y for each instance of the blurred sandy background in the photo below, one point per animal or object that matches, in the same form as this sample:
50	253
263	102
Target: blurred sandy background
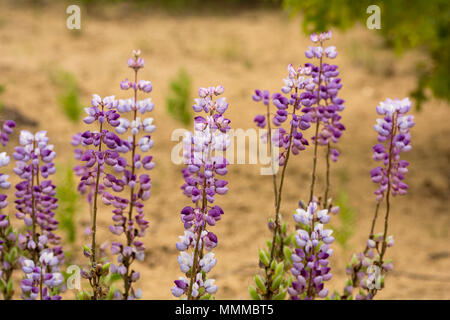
242	50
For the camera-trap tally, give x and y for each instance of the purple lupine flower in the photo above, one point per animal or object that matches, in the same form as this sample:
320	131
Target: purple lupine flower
309	95
6	129
310	260
321	102
36	202
367	269
394	138
97	149
205	167
128	218
35	198
8	236
4	183
9	255
41	277
292	139
323	106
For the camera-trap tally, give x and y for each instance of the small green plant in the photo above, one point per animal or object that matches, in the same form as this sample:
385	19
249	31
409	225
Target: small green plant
177	102
66	212
346	219
68	97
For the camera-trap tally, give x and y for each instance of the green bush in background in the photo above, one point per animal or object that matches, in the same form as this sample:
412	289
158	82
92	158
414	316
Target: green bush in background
346	219
405	24
178	99
68	96
67	195
2	89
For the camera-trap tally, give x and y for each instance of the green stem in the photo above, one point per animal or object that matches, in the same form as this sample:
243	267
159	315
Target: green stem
313	178
277	212
327	186
94	220
269	141
198	250
127	262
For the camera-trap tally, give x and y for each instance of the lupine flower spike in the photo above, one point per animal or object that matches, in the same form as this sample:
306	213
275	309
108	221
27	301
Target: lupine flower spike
35	205
289	140
128	213
304	89
9	252
310	260
323	106
97	149
367	269
203	152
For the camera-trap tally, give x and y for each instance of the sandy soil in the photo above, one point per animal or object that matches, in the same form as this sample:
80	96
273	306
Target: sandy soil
242	51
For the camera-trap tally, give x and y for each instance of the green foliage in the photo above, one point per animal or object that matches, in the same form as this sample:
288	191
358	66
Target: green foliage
68	97
177	102
67	204
346	219
404	25
2	89
187	4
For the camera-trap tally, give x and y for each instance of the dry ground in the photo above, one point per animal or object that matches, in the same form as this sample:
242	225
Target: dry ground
242	51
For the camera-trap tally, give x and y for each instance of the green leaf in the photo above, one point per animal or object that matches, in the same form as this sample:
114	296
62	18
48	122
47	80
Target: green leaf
10	288
276	283
280	296
264	257
206	296
253	294
279	269
287	254
278	238
273	265
13	255
2	285
110	295
260	283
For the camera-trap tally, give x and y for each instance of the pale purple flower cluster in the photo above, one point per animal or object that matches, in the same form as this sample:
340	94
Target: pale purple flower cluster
128	211
42	278
9	255
89	152
8	236
36	201
287	105
310	260
394	138
321	102
5	131
203	151
97	150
